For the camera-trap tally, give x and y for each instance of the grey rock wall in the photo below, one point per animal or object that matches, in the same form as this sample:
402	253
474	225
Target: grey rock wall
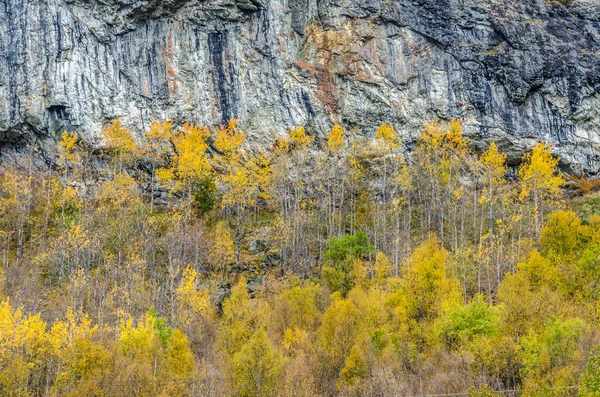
516	72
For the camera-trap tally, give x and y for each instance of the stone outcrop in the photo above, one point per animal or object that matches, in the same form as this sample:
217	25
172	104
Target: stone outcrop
515	71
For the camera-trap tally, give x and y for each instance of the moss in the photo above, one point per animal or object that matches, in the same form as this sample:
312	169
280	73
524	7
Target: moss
496	48
586	206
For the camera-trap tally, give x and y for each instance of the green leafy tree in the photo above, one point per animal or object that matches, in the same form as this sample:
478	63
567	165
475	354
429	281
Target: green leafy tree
343	260
463	323
589	383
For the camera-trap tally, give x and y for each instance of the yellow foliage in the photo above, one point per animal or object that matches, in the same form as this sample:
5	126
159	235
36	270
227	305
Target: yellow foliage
262	171
563	235
245	183
355	367
159	130
442	152
14	190
427	286
67	145
388	135
23	347
179	360
338	330
293	338
336	137
438	137
140	342
166	174
256	368
119	138
296	308
382	265
72	344
75	238
190	146
539	175
157	138
494	164
223	250
539	272
300	139
191	302
119	193
96	243
238	318
228	139
238	187
63	199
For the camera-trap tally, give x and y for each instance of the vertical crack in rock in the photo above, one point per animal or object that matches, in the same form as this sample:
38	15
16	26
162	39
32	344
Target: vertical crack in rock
223	75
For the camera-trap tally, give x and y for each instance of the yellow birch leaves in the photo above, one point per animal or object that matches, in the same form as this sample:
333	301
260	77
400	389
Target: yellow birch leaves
539	175
336	138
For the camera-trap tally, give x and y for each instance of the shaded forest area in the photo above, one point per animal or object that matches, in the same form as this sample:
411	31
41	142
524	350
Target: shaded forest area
175	263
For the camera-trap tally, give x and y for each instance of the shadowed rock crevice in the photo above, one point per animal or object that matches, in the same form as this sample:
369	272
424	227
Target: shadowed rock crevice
223	75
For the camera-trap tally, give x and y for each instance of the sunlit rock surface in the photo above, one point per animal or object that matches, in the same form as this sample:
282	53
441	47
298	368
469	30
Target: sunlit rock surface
515	72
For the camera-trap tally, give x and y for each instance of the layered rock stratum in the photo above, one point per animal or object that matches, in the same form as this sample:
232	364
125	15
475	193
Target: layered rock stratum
516	72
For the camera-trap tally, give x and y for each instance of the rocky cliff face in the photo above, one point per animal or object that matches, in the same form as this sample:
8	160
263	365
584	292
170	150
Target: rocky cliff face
515	71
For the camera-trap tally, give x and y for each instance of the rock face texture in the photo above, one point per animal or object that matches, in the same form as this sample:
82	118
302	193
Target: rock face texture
516	72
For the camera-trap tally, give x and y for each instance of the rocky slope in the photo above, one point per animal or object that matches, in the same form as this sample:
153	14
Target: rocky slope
515	71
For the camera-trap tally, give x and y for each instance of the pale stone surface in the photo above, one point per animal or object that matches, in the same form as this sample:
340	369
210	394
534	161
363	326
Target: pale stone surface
516	72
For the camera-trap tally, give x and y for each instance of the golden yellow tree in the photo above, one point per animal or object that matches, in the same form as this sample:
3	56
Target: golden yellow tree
292	175
190	168
332	177
23	349
426	282
192	304
242	182
336	138
540	180
492	168
120	142
442	158
390	172
67	146
155	148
